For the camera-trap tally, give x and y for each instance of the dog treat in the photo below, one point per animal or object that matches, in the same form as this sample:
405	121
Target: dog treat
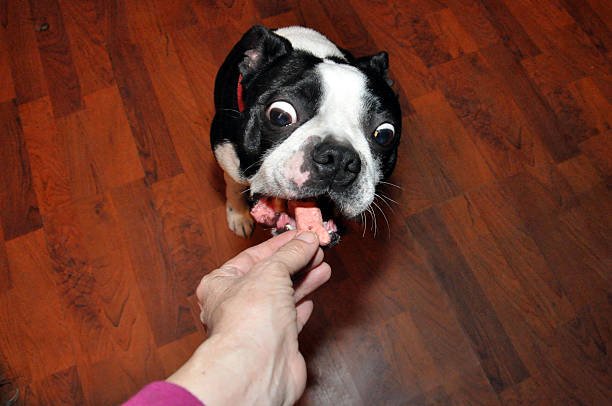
302	215
310	219
263	212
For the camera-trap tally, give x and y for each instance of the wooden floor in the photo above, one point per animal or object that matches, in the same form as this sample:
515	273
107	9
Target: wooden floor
491	285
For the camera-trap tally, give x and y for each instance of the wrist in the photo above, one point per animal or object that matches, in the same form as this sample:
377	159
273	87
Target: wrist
219	372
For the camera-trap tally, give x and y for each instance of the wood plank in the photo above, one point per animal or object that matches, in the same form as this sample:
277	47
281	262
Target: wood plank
18	204
363	346
189	127
6	282
580	174
149	129
114	344
522	254
98	146
579	354
93	271
86	25
591	23
163	292
240	14
56	57
26	66
188	245
514	293
472	16
533	105
553	30
483	103
575	261
599	151
284	19
329	378
61	387
33	284
7	85
463	166
410	284
268	9
52	180
453	37
592	106
408	355
603	9
175	15
510	30
404	62
348	25
497	355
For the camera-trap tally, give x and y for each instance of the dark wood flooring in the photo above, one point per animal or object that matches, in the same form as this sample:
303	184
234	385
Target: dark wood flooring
491	285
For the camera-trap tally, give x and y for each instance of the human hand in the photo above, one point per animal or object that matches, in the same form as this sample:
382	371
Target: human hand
253	316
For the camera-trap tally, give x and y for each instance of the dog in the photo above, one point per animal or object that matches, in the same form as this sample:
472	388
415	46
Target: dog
300	119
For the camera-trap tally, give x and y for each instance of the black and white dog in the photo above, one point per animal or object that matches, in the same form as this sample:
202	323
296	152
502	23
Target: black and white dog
299	118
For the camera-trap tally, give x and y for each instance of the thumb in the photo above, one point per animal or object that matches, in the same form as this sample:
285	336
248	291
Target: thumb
297	253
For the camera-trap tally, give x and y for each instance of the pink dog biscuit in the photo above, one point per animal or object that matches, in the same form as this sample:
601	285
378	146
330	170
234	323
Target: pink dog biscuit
310	219
263	212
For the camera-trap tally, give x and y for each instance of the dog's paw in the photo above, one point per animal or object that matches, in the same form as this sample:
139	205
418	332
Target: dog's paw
240	222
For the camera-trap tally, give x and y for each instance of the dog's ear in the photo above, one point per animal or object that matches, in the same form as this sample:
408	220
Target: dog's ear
262	46
376	64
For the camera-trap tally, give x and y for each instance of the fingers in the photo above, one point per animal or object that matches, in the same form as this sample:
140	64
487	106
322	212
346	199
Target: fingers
297	253
316	260
304	311
312	281
244	261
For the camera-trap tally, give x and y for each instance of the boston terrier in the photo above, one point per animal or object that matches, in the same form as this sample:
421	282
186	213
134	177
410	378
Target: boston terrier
303	131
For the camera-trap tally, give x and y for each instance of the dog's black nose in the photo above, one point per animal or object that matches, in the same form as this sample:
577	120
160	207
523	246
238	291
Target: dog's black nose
336	163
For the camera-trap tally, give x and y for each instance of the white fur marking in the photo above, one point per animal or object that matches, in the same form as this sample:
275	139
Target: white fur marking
229	162
307	39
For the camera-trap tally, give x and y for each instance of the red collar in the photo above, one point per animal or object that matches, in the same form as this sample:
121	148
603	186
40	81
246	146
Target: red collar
239	95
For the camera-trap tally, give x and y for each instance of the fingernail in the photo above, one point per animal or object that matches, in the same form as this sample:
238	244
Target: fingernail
307	236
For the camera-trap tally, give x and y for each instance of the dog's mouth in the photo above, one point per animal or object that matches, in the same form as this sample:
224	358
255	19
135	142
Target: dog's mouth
315	214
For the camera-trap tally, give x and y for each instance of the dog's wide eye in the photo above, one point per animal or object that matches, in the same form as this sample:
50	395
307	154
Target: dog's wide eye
281	114
384	134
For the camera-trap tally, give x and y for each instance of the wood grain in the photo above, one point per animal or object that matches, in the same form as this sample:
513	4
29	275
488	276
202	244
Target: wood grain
24	56
18	204
497	355
485	279
56	58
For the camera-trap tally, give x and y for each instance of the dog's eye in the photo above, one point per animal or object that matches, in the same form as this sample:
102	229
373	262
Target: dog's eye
384	134
281	114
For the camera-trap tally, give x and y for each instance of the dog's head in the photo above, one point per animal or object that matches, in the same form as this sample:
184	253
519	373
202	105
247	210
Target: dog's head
317	122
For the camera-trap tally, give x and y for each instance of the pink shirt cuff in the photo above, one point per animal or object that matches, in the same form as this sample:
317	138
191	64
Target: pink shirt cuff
163	393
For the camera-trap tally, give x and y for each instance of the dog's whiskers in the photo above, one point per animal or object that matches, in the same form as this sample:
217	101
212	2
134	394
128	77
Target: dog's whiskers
365	224
373	225
385	197
385	217
391	184
382	199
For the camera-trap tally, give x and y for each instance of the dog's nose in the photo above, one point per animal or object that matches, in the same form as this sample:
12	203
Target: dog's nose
337	163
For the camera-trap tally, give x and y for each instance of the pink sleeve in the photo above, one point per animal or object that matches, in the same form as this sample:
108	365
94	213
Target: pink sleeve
163	393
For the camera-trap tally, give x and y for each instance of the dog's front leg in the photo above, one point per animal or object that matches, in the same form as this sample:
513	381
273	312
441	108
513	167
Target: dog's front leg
239	218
